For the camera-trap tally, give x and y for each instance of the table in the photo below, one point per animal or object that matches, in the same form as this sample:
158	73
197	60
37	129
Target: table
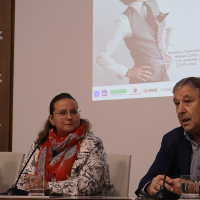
62	197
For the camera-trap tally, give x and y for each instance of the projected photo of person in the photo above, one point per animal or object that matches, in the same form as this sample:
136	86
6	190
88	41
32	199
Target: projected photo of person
148	32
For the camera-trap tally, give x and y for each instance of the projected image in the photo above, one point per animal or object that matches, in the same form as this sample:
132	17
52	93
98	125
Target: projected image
142	48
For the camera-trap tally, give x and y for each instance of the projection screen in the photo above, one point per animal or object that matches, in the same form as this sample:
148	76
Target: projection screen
122	40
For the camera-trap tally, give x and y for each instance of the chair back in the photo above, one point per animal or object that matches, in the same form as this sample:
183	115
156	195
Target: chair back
10	166
119	169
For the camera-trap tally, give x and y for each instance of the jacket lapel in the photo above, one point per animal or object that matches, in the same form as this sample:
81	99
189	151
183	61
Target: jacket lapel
184	154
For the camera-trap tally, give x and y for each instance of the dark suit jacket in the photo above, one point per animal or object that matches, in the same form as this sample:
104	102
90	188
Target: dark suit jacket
181	159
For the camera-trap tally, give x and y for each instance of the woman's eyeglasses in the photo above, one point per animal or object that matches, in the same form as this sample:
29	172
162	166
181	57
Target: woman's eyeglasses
63	113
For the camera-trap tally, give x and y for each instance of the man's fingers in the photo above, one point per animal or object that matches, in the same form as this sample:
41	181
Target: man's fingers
168	184
155	185
146	72
144	75
168	180
154	188
158	187
141	73
146	67
139	77
153	192
168	187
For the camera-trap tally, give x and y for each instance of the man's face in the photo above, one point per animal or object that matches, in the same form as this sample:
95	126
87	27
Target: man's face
187	104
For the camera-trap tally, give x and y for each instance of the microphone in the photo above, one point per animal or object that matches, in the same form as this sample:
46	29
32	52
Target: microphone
14	190
163	193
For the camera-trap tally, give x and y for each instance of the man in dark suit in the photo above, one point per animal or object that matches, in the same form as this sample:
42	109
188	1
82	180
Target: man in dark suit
185	158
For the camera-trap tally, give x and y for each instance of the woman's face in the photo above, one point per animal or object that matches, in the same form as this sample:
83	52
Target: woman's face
71	122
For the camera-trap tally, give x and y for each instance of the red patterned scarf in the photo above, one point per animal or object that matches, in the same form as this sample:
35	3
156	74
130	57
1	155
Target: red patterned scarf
57	155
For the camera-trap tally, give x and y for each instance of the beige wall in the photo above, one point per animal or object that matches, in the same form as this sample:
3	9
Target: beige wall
53	54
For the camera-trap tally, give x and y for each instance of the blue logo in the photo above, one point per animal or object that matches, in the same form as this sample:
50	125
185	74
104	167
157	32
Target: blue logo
96	93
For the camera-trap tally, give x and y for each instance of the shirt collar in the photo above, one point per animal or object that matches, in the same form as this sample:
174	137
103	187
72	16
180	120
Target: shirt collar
137	5
189	138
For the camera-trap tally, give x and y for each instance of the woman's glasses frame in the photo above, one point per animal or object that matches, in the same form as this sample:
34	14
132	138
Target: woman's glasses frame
63	114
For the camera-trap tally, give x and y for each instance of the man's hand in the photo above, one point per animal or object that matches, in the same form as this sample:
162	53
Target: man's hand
176	184
157	182
141	73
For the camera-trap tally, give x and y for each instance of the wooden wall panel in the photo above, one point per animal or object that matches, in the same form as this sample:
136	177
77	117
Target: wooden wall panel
6	72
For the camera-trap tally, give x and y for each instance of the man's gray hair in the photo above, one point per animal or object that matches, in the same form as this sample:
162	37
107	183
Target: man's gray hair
191	81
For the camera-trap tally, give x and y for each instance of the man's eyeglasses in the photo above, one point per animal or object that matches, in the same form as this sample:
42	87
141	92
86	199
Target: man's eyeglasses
63	113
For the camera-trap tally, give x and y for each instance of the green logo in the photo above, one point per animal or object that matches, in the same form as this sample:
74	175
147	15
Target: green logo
118	91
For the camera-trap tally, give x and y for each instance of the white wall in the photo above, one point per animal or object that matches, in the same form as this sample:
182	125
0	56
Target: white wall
53	54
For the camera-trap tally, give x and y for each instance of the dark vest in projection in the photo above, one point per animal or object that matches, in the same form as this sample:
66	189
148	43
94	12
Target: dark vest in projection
146	46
